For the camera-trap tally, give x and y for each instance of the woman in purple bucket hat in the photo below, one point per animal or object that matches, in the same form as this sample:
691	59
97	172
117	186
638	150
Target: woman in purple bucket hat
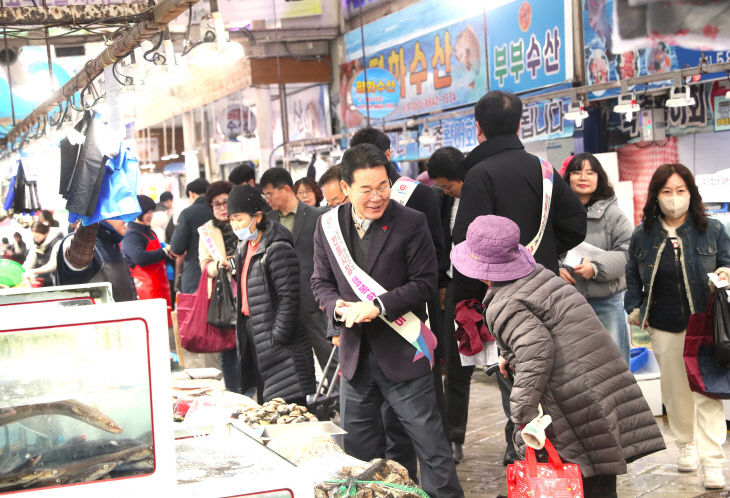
565	363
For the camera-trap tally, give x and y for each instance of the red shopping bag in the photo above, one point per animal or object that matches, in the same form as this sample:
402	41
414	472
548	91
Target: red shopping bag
196	335
542	480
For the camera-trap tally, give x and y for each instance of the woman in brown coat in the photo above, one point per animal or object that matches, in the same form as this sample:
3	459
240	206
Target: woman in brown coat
563	359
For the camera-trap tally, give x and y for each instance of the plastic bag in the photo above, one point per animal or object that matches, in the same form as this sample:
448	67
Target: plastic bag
703	372
555	478
722	328
82	168
222	308
117	199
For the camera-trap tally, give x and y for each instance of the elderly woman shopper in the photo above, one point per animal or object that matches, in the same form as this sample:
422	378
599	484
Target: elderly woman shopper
670	254
217	246
563	359
601	279
275	352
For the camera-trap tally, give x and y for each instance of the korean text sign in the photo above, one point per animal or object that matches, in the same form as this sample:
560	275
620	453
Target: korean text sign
530	45
438	64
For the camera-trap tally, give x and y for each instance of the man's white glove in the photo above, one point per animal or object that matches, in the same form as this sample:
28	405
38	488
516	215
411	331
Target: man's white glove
534	432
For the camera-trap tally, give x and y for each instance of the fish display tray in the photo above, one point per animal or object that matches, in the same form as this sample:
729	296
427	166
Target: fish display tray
76	397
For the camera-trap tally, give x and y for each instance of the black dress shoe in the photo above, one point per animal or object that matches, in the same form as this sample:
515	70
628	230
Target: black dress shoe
510	456
457	453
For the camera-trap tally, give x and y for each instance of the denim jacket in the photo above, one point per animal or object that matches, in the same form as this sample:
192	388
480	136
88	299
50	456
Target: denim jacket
702	253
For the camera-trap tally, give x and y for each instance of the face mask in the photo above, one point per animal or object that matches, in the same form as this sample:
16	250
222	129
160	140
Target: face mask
674	207
245	234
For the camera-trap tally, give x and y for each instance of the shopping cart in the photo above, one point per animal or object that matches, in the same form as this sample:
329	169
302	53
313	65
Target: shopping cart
325	401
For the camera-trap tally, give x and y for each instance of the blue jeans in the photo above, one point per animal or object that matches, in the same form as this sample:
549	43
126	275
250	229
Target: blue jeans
610	312
231	367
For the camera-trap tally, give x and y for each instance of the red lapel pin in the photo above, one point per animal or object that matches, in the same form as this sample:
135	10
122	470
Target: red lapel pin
385	227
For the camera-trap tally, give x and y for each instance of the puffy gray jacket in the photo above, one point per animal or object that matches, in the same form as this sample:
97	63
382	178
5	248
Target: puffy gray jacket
565	360
610	230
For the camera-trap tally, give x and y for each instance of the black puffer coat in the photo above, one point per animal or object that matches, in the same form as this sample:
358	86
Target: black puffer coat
565	360
274	347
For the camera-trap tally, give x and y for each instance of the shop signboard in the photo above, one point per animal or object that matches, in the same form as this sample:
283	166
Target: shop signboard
603	66
307	112
697	118
403	145
722	113
540	121
375	93
530	45
438	63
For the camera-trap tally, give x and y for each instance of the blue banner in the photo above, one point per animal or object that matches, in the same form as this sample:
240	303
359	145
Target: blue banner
530	45
602	65
375	93
434	51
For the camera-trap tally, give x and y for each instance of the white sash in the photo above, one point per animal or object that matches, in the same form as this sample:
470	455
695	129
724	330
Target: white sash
402	190
408	326
204	231
547	194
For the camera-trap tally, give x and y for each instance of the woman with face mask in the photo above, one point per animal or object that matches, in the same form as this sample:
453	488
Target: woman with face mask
601	280
670	254
275	352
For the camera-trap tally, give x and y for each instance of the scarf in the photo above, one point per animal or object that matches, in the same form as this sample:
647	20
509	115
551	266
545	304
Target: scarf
229	238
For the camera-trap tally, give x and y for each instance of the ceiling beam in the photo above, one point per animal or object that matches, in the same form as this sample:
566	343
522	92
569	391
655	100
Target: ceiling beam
164	12
72	15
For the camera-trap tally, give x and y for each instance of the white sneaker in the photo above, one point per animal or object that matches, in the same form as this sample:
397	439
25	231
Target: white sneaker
687	461
713	477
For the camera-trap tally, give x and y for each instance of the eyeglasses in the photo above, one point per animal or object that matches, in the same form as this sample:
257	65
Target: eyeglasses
268	196
380	192
219	205
580	172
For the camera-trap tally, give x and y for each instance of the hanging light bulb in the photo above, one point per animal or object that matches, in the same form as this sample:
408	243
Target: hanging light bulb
627	106
576	113
215	49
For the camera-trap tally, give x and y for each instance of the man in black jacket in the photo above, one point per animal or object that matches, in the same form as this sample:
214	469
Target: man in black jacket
505	180
422	198
185	237
446	169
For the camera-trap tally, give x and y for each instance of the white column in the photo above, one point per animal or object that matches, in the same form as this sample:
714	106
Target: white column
264	128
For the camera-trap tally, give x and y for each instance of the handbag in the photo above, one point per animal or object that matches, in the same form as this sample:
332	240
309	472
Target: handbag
196	335
705	375
555	478
722	328
222	308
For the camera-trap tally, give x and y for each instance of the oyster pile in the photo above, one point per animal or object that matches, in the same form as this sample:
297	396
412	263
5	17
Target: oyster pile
276	411
384	472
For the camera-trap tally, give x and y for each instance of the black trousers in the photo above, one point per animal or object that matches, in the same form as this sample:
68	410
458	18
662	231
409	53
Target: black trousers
505	389
458	378
315	324
396	442
599	487
414	403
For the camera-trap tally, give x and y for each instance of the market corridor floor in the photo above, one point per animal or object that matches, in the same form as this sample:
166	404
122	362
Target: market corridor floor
482	475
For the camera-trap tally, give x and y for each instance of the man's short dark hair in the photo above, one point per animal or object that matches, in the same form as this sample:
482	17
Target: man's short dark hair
197	186
363	156
5	240
242	174
446	162
332	174
371	136
277	178
498	113
165	196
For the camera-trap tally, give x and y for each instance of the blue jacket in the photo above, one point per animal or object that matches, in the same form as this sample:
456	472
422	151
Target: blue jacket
702	253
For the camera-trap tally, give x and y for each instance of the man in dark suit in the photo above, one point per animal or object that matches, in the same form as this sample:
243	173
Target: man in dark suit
185	237
301	220
423	199
390	244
